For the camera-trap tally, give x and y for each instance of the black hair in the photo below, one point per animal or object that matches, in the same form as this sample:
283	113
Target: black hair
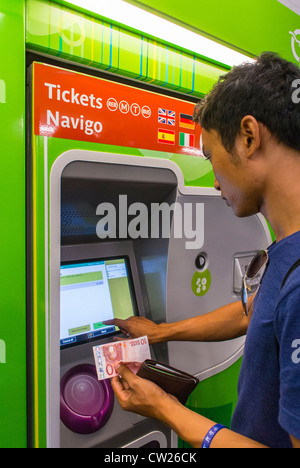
263	89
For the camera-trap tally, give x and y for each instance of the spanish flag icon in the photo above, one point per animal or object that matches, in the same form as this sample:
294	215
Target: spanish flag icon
166	136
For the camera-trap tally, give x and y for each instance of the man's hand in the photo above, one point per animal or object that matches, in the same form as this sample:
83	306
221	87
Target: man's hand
148	399
138	395
134	327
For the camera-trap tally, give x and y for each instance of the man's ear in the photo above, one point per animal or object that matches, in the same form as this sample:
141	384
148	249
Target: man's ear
250	134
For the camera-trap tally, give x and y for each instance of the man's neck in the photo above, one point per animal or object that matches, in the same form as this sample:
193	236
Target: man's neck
281	204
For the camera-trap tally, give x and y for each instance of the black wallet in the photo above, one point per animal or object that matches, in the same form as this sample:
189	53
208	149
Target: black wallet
173	381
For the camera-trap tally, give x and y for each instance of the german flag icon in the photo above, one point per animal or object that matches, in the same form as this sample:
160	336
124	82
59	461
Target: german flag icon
186	121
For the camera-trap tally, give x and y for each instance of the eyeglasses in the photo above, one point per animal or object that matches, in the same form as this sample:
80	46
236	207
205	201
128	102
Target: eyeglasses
253	277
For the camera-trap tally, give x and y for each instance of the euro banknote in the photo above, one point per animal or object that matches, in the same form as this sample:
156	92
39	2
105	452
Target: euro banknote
129	351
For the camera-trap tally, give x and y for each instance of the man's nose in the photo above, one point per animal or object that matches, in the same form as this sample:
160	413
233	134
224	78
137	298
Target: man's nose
216	185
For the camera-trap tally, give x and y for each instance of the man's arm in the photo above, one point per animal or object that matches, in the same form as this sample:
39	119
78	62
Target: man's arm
295	442
193	427
144	397
224	323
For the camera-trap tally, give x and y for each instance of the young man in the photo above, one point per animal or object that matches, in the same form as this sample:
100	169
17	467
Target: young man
251	135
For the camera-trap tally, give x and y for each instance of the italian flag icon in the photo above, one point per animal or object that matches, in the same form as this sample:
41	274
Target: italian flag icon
186	139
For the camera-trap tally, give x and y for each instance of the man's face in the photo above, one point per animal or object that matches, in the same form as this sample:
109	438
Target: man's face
233	175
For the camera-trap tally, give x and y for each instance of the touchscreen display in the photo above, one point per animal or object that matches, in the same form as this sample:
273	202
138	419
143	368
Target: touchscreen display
90	293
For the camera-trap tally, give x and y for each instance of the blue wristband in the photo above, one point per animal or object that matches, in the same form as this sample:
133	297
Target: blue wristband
211	434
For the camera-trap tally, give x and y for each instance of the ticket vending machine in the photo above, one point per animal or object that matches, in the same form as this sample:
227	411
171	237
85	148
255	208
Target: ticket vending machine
106	270
105	278
118	231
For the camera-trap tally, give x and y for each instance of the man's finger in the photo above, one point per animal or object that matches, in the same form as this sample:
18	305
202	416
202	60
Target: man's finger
118	323
126	373
117	385
112	321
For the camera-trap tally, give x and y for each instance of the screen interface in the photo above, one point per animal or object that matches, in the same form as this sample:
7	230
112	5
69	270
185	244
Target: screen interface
90	293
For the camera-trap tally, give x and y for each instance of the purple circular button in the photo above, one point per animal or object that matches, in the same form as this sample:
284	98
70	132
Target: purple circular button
86	404
83	394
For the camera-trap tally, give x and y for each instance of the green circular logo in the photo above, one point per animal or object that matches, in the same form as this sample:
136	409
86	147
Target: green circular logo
201	282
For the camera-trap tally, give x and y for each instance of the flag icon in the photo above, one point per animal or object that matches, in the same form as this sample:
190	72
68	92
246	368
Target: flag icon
171	117
166	136
187	140
186	121
166	117
162	116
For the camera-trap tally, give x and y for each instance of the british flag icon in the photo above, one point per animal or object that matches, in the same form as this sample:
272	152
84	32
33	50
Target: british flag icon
171	117
166	117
